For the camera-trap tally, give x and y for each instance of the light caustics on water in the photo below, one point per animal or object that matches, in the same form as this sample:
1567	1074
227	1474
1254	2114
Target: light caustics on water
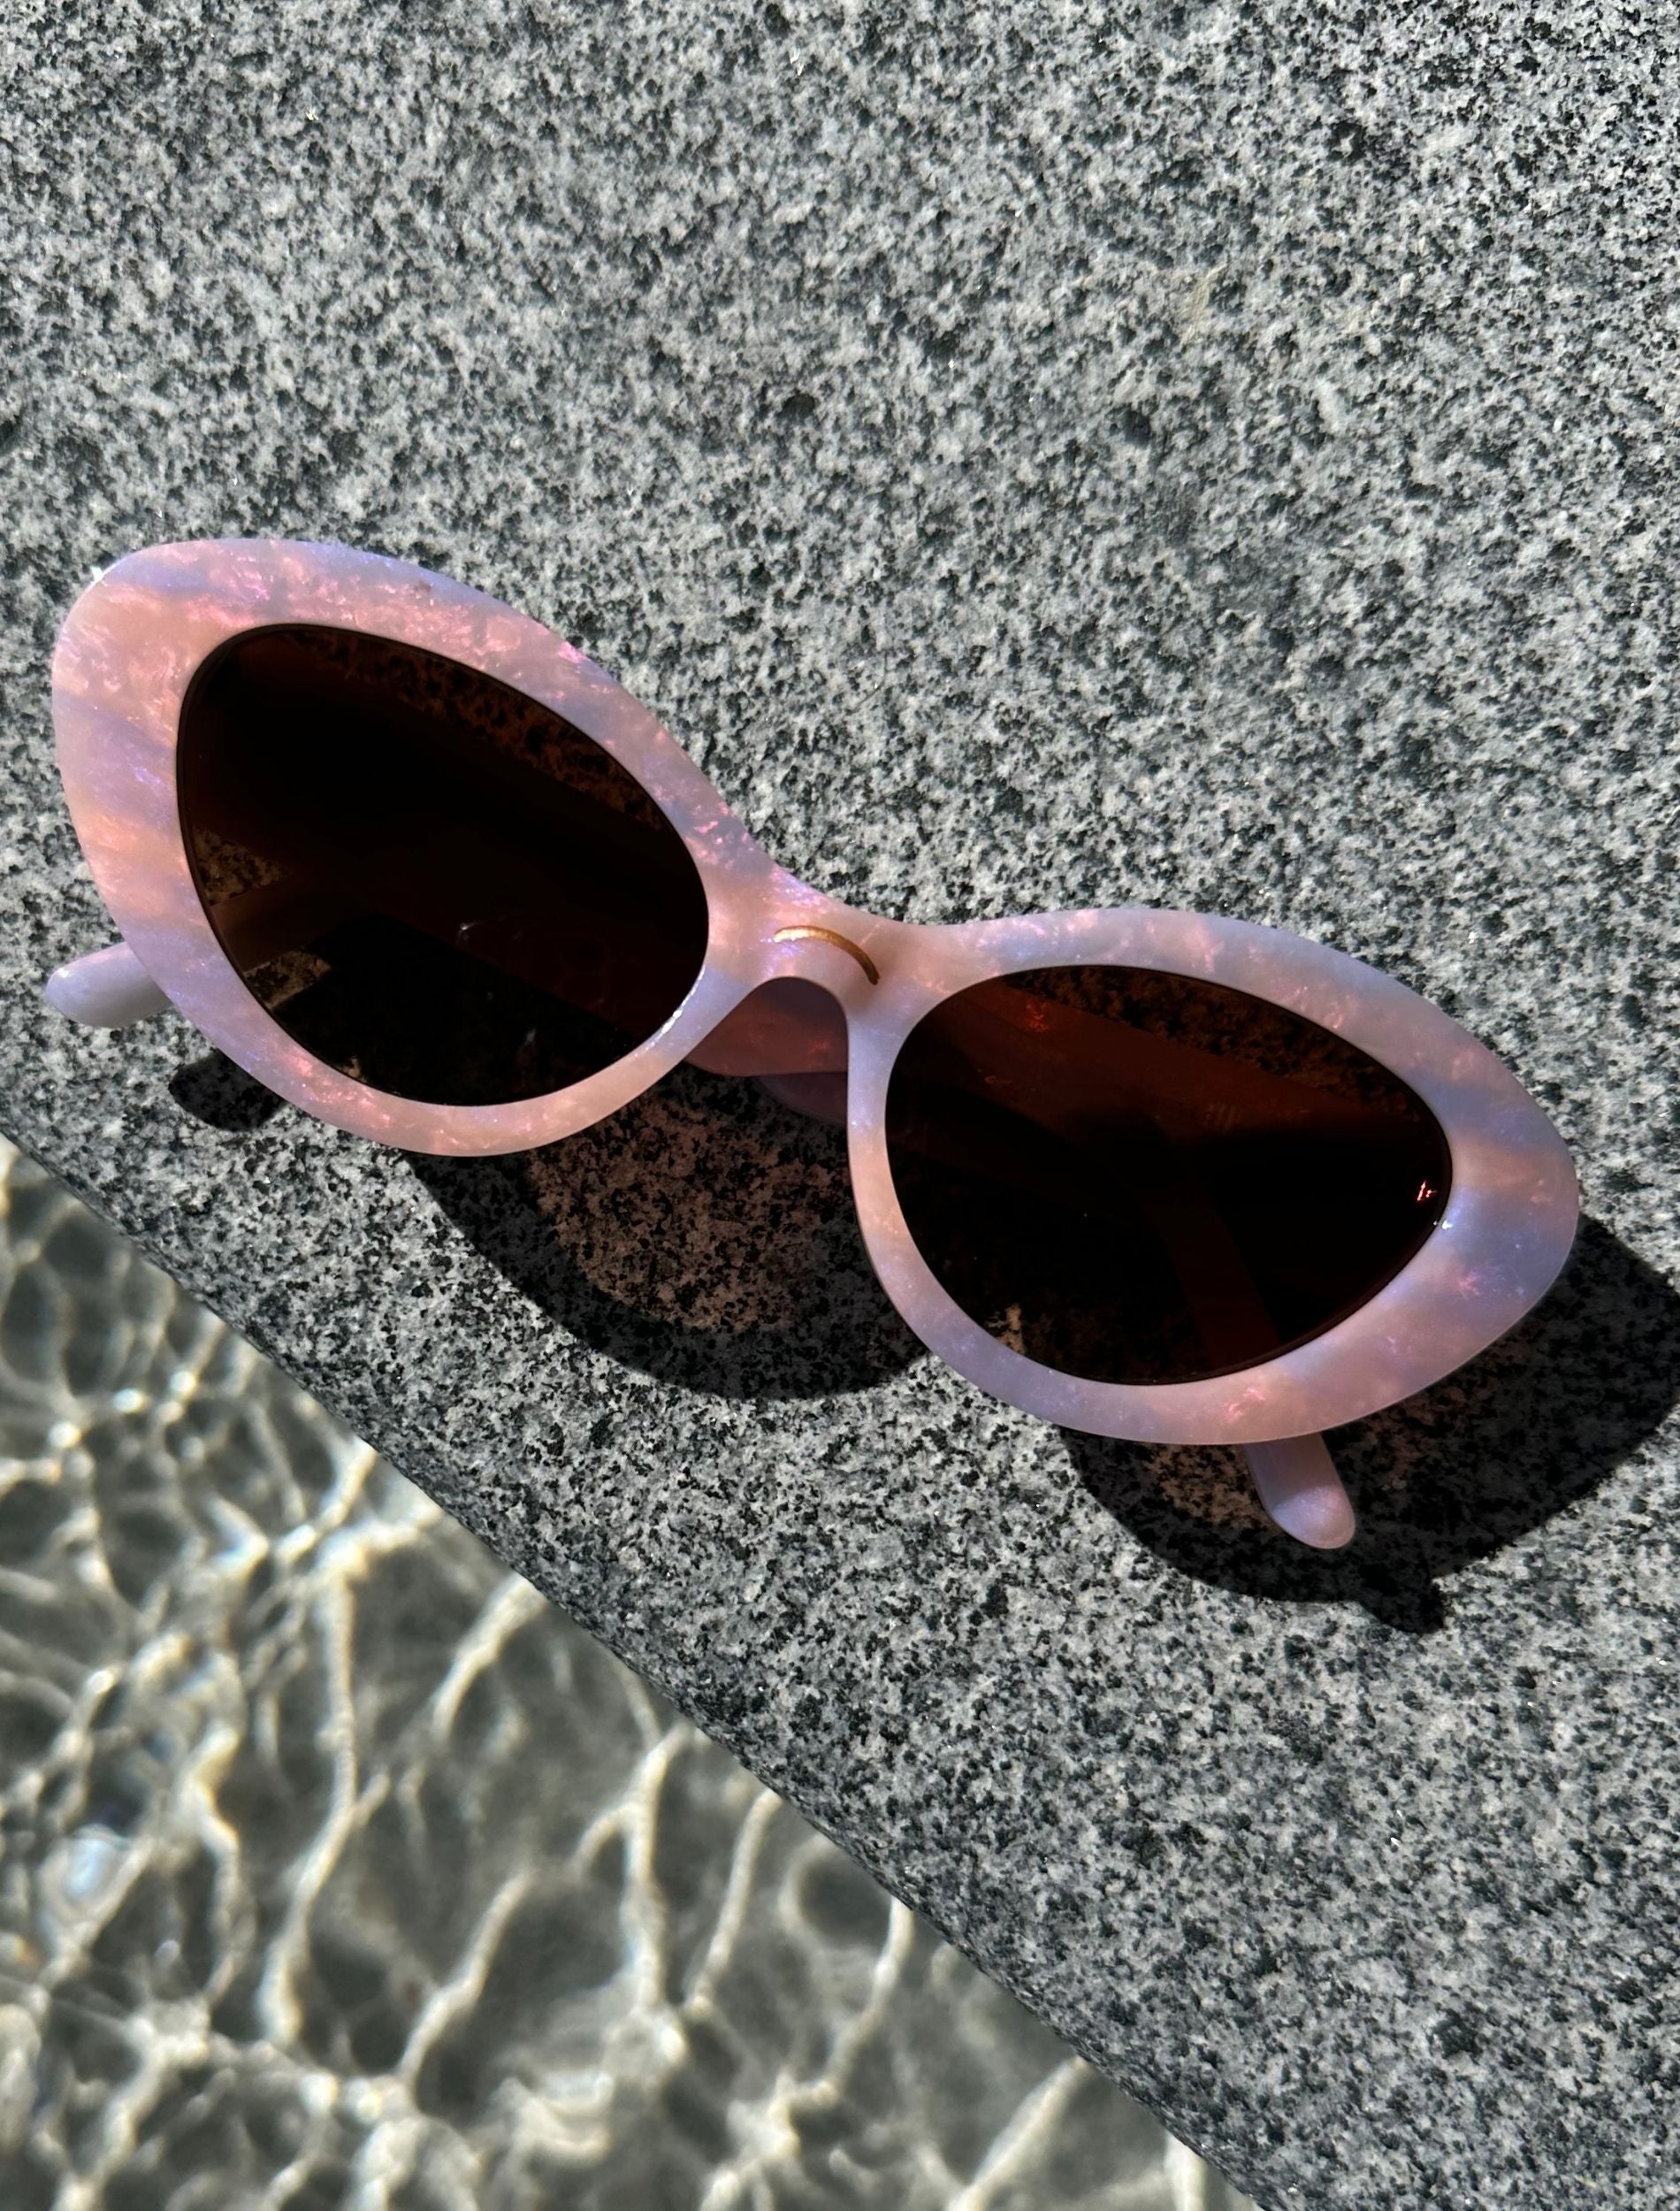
340	1870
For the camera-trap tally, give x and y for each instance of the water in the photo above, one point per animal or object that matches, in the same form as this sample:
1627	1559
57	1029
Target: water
341	1871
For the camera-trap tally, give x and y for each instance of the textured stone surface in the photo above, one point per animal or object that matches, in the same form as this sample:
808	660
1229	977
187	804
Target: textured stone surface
1210	456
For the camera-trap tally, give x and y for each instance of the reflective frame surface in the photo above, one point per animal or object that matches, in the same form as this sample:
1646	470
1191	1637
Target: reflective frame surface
128	652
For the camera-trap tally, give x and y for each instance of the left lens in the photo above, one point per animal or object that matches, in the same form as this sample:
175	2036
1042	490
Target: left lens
431	881
1140	1177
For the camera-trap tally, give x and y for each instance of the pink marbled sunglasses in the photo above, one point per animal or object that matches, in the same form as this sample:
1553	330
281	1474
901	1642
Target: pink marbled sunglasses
424	870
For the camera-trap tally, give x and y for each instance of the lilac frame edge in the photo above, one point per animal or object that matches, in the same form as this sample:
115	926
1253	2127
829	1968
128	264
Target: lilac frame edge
127	654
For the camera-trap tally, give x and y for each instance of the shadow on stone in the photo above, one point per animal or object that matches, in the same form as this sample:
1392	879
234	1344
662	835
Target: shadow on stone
1446	1478
214	1090
703	1233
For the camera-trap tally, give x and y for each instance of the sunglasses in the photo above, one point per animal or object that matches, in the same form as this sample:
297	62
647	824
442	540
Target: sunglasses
428	873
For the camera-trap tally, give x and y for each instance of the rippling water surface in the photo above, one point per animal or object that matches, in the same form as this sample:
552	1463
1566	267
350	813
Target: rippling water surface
339	1870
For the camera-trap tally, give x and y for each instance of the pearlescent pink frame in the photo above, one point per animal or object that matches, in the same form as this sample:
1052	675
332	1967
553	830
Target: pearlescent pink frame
127	654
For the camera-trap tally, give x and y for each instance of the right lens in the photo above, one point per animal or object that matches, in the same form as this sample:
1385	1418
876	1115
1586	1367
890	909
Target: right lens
432	881
1140	1177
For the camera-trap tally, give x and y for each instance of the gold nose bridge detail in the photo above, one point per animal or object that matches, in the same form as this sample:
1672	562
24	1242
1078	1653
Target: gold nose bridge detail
829	936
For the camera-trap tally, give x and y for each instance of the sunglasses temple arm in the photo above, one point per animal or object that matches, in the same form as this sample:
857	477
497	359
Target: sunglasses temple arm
104	989
1301	1490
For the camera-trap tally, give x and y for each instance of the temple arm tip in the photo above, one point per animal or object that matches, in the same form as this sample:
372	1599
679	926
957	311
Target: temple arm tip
1302	1491
107	988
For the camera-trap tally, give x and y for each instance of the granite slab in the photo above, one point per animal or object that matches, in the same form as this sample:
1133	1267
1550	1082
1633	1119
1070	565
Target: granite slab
1214	455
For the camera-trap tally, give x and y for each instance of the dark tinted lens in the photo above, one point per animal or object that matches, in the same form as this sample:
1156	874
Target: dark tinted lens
431	882
1138	1177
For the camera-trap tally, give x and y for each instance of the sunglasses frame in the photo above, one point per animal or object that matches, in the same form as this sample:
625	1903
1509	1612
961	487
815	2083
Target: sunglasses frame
127	654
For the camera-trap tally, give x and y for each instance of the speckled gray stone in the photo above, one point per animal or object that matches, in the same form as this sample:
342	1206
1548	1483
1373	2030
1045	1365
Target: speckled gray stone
1213	455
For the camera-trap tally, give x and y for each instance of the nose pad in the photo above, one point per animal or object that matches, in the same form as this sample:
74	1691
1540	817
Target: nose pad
818	1097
